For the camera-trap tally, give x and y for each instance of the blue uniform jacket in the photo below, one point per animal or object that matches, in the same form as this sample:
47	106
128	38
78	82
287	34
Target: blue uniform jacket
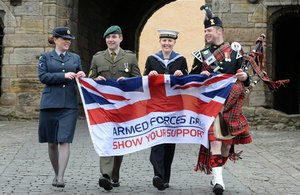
58	91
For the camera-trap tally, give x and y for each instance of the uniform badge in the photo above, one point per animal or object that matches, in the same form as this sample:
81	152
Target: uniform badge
236	46
238	55
41	64
205	52
227	57
126	67
197	55
212	22
68	32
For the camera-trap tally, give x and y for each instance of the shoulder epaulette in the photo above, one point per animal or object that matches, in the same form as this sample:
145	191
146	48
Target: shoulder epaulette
99	52
128	51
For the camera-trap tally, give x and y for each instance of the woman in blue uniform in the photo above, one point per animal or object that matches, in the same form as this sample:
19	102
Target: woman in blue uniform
165	61
59	105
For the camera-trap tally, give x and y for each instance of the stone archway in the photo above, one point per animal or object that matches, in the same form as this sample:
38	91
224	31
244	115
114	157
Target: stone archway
285	62
94	17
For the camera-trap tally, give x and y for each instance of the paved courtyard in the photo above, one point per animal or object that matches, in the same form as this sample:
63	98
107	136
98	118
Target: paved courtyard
270	165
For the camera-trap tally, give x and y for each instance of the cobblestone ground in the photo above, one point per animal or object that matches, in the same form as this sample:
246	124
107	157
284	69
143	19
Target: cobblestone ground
270	165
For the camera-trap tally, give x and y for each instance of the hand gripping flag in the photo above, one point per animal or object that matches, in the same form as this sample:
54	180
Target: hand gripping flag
140	112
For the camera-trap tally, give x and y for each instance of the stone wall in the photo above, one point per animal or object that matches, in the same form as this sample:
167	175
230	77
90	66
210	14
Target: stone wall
23	42
26	28
265	119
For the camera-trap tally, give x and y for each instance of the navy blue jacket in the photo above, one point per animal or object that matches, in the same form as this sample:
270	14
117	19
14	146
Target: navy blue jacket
155	62
58	91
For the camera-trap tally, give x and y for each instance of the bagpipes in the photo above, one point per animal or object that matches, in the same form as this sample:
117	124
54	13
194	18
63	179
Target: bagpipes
256	60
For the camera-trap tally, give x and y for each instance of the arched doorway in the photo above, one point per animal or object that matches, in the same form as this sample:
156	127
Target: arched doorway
286	31
94	17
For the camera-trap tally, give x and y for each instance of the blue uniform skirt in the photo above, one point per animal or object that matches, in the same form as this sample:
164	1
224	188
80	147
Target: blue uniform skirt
57	125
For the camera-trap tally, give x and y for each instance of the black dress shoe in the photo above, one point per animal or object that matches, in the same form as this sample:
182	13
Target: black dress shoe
105	183
60	185
218	189
54	182
167	185
158	183
115	183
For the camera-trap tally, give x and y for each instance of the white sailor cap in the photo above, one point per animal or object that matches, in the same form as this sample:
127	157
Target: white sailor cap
168	33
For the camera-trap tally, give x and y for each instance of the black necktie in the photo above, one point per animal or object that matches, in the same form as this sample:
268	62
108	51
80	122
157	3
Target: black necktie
62	56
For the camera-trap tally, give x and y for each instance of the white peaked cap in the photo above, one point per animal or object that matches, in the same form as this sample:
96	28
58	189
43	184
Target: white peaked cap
164	33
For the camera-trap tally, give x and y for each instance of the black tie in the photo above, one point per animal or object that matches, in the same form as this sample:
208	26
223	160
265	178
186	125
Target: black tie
62	56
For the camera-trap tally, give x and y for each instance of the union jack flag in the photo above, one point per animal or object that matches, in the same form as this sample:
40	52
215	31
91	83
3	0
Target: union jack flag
137	113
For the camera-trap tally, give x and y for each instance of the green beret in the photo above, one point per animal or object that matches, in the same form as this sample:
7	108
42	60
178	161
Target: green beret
112	30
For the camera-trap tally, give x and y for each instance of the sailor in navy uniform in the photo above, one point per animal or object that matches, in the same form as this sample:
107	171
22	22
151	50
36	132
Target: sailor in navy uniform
165	61
59	105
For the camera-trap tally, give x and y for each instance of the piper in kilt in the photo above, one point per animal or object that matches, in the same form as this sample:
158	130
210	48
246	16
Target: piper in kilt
227	59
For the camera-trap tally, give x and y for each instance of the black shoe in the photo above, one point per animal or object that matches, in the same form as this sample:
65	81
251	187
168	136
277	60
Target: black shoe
218	189
115	183
54	182
167	185
158	183
60	185
105	183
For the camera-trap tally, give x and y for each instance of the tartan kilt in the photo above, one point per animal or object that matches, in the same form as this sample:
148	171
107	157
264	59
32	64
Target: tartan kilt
203	163
242	138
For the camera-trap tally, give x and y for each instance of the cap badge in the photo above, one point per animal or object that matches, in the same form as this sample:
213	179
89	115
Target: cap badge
68	32
212	22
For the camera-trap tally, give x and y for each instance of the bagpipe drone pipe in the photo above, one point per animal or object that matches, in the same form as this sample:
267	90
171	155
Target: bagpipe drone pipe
256	60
